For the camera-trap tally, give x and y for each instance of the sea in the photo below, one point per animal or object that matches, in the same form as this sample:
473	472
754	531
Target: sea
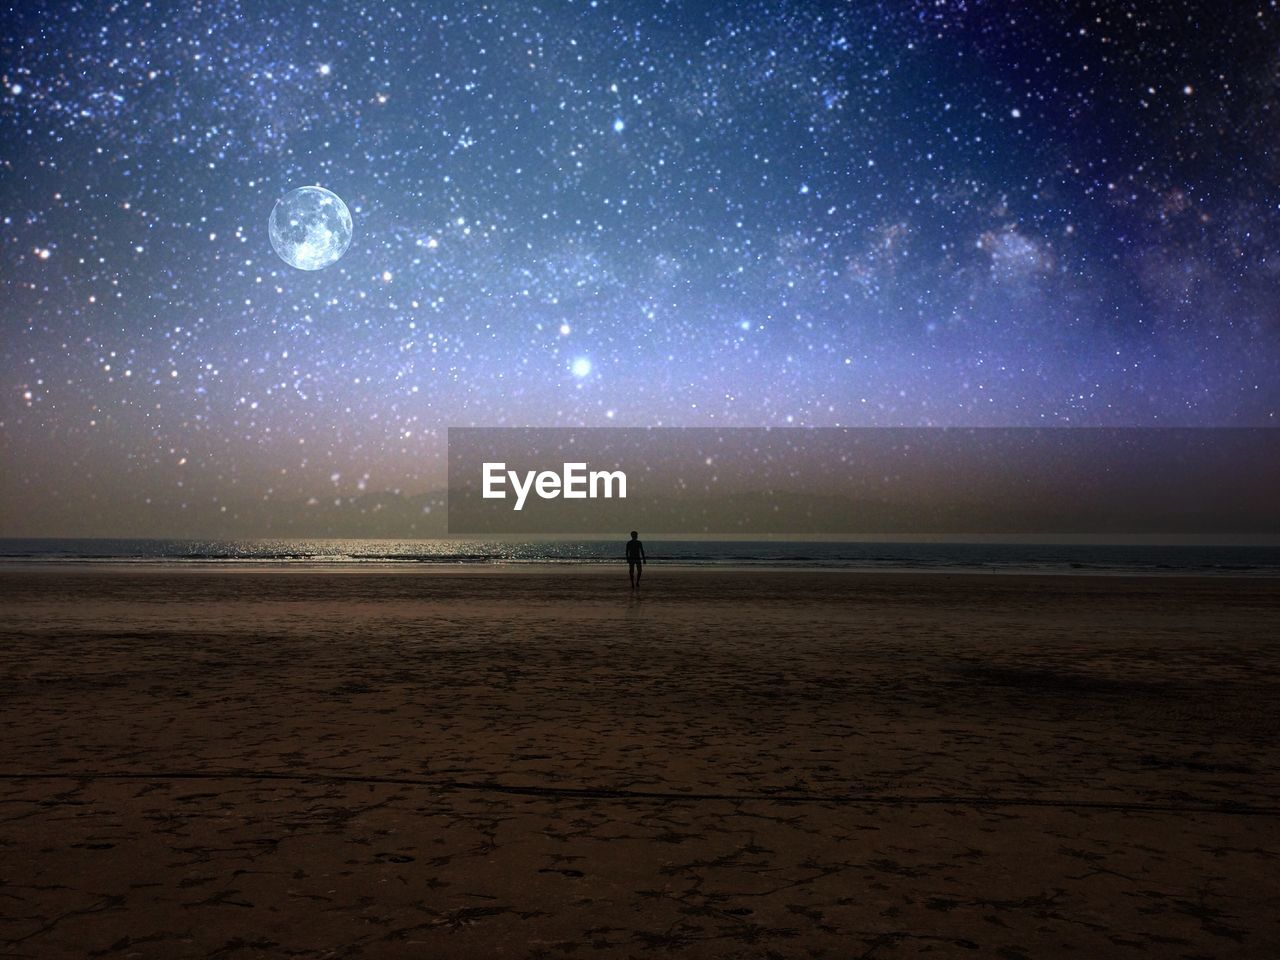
1072	558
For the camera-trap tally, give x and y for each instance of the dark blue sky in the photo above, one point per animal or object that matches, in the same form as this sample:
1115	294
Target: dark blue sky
603	213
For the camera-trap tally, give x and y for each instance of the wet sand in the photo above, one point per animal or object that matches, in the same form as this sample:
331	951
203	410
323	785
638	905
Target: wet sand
473	763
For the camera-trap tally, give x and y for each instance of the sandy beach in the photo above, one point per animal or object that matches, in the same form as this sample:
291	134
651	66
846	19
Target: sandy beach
465	763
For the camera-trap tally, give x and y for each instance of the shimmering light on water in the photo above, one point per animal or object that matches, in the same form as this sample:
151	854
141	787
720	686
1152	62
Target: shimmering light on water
989	557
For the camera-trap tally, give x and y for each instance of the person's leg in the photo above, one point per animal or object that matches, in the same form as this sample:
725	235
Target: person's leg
631	574
639	570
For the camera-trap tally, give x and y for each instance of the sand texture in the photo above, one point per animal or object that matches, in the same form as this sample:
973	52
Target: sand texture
469	763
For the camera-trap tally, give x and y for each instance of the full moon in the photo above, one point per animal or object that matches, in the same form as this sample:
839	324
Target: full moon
310	228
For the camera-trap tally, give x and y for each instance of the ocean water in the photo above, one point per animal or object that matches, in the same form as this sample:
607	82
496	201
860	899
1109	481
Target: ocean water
1253	561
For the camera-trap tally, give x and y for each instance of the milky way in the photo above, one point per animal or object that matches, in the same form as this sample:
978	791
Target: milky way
608	213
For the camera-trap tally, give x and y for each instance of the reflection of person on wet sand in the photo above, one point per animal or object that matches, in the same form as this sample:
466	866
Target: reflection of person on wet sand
635	559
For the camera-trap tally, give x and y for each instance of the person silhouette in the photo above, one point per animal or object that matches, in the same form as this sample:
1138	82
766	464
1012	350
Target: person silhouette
635	559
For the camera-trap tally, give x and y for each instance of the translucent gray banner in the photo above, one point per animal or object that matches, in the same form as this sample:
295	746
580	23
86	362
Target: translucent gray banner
875	481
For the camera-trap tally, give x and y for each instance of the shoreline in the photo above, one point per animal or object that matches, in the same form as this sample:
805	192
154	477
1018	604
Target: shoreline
601	568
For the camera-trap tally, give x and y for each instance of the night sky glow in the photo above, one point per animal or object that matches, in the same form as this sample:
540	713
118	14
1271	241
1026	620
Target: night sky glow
614	213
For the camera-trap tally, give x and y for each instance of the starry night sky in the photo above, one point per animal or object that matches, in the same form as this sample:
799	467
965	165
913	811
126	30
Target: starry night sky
613	213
